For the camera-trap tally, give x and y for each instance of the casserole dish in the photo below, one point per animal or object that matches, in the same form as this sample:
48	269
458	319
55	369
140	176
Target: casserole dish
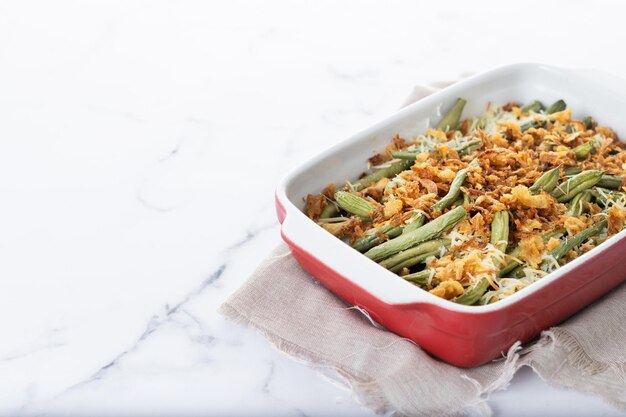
458	334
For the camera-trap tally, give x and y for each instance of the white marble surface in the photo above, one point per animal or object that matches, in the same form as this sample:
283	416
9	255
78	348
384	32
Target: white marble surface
141	142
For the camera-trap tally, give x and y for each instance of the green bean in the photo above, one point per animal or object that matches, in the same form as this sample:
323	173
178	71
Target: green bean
558	106
570	129
577	205
422	248
535	106
458	201
374	237
411	154
450	121
534	123
422	278
462	200
571	171
472	294
393	169
413	261
582	151
566	191
406	155
481	122
331	210
468	147
453	192
427	232
518	272
575	241
354	204
500	230
613	182
463	148
547	144
511	263
589	122
416	223
547	181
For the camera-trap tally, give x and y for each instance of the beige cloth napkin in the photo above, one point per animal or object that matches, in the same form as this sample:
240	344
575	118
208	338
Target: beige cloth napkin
389	373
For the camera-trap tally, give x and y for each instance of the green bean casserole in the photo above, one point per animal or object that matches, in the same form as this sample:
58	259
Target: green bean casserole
474	210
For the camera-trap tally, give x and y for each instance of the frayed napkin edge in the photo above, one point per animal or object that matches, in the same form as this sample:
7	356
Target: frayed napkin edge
366	393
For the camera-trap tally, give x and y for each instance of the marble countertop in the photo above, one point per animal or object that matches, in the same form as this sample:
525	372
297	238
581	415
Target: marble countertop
142	141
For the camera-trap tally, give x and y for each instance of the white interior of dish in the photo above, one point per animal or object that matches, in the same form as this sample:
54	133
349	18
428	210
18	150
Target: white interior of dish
587	92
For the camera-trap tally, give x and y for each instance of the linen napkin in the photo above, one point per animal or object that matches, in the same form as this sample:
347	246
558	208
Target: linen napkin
389	373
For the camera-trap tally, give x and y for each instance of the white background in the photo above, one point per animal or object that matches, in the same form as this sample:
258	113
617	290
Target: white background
141	143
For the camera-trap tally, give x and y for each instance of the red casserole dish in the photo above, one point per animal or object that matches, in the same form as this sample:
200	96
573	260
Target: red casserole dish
461	335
